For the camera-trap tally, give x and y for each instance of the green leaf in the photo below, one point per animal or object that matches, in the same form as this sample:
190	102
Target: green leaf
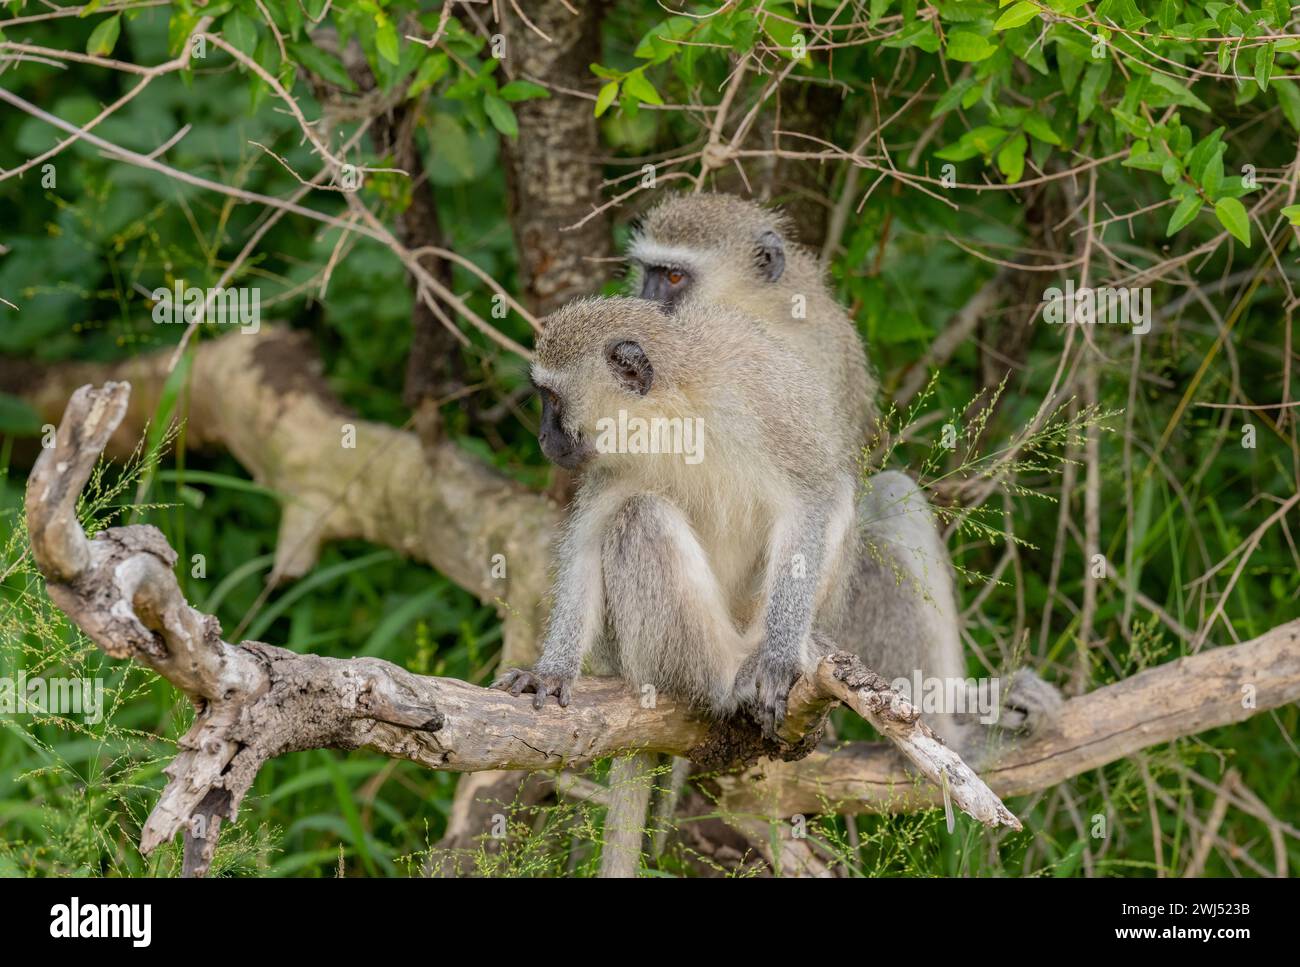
1212	180
322	64
240	31
657	45
1017	16
1038	126
780	32
499	113
1232	216
104	37
1292	213
1200	156
968	47
386	42
1186	210
951	97
1094	82
1166	14
981	140
1182	96
1011	158
432	69
606	97
919	33
1144	159
639	86
523	91
1288	97
1263	65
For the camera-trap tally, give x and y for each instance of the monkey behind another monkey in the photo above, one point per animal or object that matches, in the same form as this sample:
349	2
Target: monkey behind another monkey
895	604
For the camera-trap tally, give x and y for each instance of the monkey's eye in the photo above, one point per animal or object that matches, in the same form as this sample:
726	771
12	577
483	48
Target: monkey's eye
675	277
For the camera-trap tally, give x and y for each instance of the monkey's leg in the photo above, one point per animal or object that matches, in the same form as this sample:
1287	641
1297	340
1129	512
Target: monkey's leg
672	632
671	623
900	611
803	555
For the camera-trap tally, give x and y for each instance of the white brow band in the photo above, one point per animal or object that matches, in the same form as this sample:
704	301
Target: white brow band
652	253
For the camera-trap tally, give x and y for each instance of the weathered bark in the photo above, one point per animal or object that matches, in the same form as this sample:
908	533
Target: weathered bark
630	784
261	397
1219	686
552	178
256	701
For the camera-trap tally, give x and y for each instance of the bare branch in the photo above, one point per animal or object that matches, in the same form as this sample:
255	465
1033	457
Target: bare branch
256	701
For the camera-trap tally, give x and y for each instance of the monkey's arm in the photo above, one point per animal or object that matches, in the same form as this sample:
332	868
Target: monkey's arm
577	615
804	548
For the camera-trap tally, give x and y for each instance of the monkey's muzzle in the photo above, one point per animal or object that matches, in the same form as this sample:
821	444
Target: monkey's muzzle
563	450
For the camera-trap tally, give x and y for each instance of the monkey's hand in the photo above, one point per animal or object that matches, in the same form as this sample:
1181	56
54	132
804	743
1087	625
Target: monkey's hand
518	680
763	686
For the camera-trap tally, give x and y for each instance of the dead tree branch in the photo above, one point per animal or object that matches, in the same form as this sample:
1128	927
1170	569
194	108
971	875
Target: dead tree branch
1218	687
261	397
256	701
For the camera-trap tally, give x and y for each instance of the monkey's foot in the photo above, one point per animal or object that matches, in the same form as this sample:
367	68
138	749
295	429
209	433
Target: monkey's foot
1029	704
518	680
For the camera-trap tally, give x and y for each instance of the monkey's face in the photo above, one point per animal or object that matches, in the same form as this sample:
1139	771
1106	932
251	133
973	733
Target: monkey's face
722	270
576	400
666	284
561	439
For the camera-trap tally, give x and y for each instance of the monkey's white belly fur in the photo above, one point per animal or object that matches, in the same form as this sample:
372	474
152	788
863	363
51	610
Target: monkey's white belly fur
684	597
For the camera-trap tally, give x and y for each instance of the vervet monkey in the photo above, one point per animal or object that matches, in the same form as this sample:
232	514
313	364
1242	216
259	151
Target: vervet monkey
713	249
703	572
896	606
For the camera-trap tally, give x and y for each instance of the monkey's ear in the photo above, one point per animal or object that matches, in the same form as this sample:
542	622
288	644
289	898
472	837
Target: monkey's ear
630	366
770	255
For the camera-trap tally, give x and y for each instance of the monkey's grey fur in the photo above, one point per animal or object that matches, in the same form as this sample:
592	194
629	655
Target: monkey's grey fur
721	582
739	254
674	573
895	605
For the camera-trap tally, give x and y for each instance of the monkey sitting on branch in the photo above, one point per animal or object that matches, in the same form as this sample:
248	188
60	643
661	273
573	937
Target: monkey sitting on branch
695	569
888	589
711	552
899	606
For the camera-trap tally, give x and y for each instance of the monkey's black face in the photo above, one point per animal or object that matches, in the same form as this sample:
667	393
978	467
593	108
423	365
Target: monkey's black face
557	444
665	283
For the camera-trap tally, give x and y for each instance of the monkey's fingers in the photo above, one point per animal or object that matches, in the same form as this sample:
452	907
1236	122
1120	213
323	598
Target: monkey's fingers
505	679
772	718
778	713
524	681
